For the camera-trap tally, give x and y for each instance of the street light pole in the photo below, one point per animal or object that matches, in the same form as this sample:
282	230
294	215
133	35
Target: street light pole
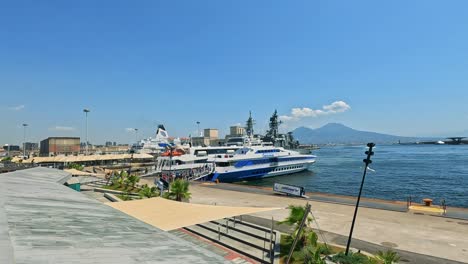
24	139
86	111
136	135
198	128
367	161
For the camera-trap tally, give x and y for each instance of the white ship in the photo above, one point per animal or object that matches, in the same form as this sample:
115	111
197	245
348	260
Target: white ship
255	162
155	145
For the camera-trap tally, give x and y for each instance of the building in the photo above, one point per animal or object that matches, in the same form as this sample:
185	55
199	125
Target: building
210	138
54	146
237	131
30	146
11	148
108	143
211	133
200	141
217	142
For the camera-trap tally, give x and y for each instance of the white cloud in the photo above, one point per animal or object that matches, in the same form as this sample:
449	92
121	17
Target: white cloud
303	112
17	108
62	128
337	107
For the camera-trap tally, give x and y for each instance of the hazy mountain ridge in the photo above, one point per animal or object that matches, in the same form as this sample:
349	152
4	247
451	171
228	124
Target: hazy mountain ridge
340	134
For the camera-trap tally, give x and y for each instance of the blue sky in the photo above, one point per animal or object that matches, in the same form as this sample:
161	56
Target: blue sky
399	66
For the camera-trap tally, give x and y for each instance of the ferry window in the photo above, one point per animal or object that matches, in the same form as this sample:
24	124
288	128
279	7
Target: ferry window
222	164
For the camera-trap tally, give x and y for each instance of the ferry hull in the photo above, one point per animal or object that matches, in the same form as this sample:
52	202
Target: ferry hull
259	173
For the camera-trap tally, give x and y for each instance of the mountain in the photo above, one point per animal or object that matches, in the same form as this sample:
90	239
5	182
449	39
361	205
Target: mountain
340	134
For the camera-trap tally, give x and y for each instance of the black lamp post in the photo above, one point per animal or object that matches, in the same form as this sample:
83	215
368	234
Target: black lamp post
367	161
24	140
86	111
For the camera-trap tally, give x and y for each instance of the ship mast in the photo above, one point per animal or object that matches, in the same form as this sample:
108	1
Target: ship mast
249	128
274	127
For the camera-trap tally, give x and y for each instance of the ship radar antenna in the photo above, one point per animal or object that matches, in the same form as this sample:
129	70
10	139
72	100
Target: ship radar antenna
250	126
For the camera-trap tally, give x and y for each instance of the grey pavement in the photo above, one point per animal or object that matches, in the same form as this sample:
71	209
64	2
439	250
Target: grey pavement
337	239
452	212
43	221
317	197
442	238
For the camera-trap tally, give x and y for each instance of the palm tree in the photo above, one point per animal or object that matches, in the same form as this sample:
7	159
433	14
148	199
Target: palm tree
148	192
178	190
133	180
121	178
388	257
310	251
296	213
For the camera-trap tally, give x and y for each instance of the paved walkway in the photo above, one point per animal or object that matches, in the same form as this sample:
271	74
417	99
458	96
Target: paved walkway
43	221
422	234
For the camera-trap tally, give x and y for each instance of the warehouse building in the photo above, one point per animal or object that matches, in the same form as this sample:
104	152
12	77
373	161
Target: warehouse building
54	146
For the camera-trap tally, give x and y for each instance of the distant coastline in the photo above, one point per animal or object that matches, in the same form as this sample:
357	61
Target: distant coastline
339	134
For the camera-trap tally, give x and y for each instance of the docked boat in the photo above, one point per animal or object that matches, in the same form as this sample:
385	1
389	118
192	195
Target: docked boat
190	163
255	162
153	146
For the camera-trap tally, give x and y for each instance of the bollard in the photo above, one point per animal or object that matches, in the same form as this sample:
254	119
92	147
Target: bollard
444	206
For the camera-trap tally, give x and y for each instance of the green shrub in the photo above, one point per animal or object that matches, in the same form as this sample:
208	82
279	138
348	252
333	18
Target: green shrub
351	258
388	257
75	166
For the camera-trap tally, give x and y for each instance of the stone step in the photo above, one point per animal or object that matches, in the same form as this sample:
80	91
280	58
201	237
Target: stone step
248	228
250	247
260	242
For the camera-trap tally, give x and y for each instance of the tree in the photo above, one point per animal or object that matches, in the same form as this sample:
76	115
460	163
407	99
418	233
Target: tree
123	176
131	181
179	190
309	249
296	213
148	192
388	257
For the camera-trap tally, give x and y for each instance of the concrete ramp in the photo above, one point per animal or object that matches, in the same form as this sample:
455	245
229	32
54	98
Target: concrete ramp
169	215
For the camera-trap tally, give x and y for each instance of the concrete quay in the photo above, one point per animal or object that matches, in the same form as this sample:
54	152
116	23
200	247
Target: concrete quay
444	239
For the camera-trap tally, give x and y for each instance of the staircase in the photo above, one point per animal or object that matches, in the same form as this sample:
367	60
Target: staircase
97	184
255	242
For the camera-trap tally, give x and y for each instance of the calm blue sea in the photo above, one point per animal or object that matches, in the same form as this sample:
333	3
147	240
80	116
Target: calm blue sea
422	171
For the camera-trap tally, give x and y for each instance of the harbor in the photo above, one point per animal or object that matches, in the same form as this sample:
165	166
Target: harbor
233	132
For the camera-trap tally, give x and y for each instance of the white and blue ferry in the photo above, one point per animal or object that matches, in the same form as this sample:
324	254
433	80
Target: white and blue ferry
255	162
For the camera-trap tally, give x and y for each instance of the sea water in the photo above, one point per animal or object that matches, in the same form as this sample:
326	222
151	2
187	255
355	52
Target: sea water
398	172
